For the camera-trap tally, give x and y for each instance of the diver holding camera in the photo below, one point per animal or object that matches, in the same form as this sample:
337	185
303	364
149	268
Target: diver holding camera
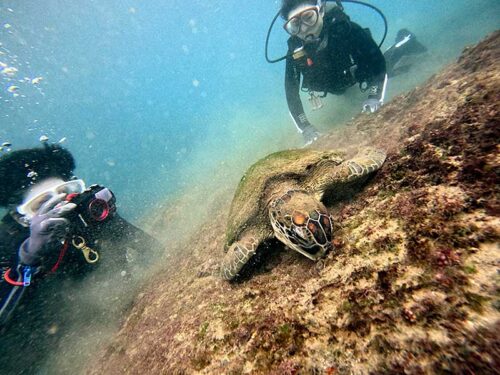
55	224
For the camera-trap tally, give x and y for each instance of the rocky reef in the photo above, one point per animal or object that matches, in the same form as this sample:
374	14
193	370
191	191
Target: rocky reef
412	287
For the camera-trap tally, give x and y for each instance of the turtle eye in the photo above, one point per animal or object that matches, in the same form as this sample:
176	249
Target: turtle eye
298	218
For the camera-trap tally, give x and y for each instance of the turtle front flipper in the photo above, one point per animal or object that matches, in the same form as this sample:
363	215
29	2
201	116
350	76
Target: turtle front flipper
340	179
239	253
367	161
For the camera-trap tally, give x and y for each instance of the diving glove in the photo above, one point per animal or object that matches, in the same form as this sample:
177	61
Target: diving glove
371	105
310	135
48	229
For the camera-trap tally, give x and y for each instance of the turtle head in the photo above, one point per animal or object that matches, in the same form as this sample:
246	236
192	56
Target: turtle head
302	223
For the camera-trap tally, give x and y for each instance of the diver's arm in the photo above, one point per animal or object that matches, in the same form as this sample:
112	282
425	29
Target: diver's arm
376	66
373	68
292	90
370	58
47	229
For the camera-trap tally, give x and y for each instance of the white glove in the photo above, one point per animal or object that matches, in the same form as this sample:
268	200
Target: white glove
371	105
47	230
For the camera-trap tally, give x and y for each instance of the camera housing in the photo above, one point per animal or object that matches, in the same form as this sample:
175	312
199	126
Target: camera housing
95	206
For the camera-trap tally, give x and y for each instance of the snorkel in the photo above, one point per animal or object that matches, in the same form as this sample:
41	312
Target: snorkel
322	5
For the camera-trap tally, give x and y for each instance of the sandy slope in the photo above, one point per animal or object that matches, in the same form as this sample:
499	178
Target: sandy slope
412	288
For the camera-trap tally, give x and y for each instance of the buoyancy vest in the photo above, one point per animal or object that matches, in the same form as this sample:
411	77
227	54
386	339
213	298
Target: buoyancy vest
332	64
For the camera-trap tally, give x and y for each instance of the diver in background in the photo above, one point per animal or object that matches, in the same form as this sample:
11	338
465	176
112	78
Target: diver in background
398	57
330	53
46	209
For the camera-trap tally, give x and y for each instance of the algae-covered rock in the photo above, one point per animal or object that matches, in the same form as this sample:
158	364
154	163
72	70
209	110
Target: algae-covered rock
414	288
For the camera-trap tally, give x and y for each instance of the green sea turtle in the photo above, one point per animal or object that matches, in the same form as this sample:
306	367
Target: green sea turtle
280	196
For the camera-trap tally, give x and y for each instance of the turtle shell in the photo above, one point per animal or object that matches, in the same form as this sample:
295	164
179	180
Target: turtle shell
248	205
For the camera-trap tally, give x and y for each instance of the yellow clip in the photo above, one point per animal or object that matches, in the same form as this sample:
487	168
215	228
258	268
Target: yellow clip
90	255
298	53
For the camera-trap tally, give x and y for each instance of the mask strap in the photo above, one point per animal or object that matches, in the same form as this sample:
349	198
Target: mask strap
322	7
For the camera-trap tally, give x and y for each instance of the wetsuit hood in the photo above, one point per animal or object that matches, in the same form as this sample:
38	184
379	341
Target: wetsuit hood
22	168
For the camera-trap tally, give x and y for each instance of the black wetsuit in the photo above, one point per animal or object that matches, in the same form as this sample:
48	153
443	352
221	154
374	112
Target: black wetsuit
68	304
345	55
64	264
406	46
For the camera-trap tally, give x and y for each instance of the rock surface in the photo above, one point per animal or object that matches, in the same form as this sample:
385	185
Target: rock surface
412	287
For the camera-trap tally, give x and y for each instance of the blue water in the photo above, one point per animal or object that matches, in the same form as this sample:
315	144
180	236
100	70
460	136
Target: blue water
145	91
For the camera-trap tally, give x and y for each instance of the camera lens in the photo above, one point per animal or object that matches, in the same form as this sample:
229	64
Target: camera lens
98	209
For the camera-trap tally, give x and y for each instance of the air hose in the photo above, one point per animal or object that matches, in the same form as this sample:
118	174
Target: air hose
271	61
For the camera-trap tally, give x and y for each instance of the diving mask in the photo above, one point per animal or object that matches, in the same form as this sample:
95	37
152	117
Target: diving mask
33	204
308	17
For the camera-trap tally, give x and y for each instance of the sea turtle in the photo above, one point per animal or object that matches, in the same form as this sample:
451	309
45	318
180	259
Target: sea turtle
280	196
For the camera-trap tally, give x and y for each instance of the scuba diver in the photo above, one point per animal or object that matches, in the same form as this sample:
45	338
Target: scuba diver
55	226
398	57
330	53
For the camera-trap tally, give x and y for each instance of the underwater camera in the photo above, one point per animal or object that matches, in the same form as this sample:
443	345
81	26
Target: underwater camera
94	206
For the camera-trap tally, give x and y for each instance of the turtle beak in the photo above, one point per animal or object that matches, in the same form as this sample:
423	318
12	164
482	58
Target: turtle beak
313	253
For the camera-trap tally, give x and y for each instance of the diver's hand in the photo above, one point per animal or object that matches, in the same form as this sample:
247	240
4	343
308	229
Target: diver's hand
371	105
310	134
47	230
